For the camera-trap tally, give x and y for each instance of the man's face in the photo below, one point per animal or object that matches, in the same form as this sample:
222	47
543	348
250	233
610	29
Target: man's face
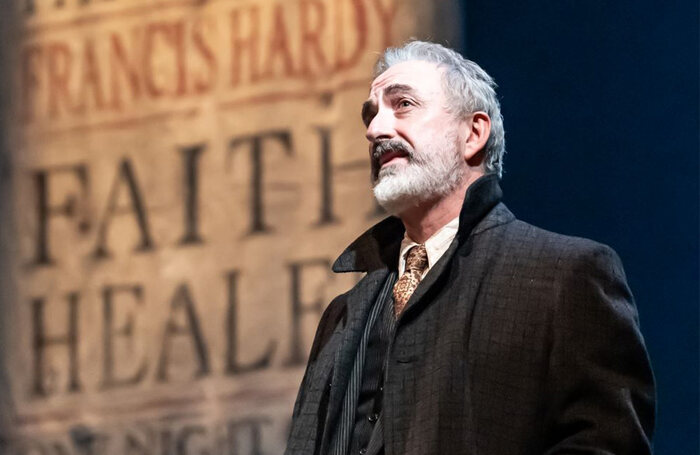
414	142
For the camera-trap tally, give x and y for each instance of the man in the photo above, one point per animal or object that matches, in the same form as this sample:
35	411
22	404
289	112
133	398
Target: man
471	332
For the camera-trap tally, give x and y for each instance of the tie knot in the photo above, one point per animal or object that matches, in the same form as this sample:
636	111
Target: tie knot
417	258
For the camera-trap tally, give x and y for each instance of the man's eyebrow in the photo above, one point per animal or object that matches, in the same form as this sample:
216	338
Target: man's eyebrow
398	88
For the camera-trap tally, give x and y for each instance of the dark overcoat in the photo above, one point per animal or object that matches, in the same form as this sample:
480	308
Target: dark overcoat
518	341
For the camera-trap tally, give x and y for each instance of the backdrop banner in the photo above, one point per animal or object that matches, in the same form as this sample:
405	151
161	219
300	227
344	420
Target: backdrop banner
177	177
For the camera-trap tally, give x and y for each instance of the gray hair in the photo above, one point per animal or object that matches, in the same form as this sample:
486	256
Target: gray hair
468	88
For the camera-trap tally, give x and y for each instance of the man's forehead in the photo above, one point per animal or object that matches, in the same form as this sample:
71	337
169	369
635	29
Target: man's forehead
417	74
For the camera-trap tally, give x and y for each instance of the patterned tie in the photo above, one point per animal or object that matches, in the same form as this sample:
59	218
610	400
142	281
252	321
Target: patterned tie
416	263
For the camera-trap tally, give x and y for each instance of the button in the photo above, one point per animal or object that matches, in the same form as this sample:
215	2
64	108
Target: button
363	451
373	417
381	388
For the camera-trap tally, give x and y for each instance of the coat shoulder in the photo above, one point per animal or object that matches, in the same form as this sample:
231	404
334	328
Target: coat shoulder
521	240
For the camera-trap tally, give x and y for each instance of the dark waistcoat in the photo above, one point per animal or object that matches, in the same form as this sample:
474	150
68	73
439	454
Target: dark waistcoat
369	404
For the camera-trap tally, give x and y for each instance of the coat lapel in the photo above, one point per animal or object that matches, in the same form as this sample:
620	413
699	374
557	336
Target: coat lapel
359	303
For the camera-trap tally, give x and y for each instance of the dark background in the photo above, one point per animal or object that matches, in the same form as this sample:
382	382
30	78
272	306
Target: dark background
600	101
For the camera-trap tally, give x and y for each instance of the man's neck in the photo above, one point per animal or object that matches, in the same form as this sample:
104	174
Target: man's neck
425	219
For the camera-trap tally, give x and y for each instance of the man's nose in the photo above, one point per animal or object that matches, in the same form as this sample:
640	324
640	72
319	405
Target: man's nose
382	126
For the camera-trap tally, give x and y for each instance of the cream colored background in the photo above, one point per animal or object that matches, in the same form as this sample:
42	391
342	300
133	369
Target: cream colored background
187	413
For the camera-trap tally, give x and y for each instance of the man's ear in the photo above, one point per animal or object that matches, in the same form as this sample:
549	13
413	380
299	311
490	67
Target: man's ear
478	134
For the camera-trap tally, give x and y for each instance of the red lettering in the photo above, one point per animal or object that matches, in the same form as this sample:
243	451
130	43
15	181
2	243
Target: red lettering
127	67
178	42
311	35
59	63
204	50
279	45
247	44
180	58
387	14
152	32
91	83
342	62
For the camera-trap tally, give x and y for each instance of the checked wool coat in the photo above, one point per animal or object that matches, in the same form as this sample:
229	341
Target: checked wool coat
518	341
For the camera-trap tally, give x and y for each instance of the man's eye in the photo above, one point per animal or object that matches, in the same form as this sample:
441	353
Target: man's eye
405	103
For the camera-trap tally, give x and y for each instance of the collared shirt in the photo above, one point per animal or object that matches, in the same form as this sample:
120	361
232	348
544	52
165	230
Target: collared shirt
436	245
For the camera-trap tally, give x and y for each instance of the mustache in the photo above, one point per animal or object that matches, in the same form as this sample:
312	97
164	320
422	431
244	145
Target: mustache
391	145
383	147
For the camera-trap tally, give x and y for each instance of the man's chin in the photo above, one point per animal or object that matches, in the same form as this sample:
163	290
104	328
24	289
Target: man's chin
392	199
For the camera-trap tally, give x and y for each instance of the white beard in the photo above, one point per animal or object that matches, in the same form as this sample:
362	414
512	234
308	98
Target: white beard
429	174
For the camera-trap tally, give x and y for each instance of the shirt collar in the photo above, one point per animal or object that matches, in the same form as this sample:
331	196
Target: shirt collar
435	246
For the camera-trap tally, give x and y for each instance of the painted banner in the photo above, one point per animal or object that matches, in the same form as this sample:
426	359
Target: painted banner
177	177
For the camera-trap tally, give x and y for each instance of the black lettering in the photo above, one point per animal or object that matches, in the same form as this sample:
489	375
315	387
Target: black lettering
185	436
255	141
190	158
166	442
326	215
45	210
253	427
183	301
137	208
233	365
41	341
328	173
87	441
136	444
110	332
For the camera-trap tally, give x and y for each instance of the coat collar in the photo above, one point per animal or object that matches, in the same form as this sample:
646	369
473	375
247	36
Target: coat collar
378	247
